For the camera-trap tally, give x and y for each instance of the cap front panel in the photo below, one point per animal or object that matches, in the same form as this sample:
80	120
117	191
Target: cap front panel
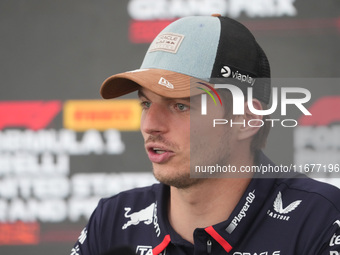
191	49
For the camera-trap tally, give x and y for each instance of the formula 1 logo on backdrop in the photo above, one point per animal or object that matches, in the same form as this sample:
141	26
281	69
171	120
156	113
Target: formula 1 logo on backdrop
34	115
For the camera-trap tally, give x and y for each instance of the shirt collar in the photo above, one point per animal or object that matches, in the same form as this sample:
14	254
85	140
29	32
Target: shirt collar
237	225
228	233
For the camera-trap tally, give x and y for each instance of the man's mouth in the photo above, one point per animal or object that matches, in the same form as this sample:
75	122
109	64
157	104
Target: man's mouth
158	150
159	154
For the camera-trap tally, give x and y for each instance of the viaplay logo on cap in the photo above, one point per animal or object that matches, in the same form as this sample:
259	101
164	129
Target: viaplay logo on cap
227	72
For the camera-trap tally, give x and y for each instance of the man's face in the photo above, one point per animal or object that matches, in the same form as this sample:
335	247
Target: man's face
165	126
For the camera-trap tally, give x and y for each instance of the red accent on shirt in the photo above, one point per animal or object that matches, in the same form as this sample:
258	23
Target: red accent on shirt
211	231
159	248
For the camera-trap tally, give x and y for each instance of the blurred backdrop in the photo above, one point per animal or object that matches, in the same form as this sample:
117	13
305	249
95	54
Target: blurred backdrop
62	147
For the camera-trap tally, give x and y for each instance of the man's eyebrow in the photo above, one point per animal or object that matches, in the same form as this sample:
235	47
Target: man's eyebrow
186	99
141	94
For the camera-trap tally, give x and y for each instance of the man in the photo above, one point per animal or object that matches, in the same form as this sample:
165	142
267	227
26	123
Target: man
237	214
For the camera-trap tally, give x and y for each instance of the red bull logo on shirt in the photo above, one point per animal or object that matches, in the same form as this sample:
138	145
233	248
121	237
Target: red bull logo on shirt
147	215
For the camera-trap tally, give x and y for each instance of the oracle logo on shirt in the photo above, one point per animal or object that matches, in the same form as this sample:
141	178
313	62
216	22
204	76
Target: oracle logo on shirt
258	253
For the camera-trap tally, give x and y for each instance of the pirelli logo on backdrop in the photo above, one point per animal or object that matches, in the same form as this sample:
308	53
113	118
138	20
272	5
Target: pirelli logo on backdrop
81	115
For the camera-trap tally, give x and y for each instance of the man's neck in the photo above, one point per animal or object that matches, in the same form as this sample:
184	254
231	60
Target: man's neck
206	203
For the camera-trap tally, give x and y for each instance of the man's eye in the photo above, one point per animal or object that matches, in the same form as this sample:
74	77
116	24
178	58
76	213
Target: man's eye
145	104
182	107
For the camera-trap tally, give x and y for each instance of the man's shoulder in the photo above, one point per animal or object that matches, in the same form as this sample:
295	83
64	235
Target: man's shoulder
294	185
320	193
137	196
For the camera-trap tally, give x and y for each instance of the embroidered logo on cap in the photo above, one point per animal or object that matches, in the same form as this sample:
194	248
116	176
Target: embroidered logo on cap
166	83
168	42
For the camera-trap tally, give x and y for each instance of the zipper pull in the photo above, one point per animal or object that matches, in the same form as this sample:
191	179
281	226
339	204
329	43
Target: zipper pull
209	245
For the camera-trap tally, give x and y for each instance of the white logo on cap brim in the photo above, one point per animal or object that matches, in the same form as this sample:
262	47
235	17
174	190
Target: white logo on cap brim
166	83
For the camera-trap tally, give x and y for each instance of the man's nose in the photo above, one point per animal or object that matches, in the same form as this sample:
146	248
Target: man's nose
155	120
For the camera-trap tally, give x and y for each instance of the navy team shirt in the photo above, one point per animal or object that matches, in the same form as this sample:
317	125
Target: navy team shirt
293	216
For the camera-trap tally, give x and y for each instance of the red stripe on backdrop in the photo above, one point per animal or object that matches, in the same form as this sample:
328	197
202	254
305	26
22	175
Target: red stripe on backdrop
146	31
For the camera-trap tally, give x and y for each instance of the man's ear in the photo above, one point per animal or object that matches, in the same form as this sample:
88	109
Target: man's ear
253	122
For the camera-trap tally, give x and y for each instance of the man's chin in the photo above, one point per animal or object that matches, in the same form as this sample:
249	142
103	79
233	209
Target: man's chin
180	181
